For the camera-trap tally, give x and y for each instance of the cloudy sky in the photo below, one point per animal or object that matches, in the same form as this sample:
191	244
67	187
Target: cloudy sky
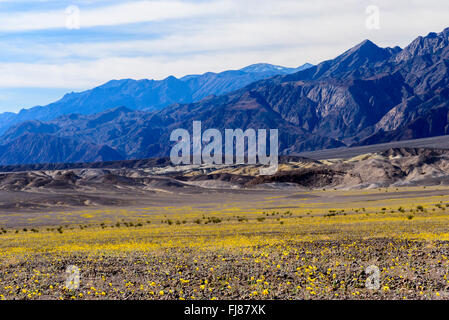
48	48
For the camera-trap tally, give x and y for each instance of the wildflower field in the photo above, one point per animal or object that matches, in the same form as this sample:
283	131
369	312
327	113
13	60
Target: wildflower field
316	245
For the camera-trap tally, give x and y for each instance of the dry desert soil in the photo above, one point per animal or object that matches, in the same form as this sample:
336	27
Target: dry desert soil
140	230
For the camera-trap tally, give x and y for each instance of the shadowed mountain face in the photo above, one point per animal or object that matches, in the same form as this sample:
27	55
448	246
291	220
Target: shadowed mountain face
138	134
41	148
149	95
366	95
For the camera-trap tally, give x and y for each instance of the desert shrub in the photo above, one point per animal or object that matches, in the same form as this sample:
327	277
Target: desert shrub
215	220
241	219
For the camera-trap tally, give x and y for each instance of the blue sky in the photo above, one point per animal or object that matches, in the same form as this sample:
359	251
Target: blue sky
42	55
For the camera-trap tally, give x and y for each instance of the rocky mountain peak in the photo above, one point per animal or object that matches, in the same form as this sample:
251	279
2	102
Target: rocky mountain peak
430	44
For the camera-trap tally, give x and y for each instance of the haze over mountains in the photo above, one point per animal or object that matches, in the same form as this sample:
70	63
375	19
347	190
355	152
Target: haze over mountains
149	95
366	95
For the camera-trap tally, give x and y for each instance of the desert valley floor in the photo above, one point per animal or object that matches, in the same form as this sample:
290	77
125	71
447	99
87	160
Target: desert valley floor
157	232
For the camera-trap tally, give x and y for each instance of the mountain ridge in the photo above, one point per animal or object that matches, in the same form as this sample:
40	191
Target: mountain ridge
364	96
146	94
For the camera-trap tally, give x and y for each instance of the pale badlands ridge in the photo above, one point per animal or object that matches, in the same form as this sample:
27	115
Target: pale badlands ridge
391	168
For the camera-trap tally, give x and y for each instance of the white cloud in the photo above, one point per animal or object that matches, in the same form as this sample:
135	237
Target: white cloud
112	15
220	34
87	74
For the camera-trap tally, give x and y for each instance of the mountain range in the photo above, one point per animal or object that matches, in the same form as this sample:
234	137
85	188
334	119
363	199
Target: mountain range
149	95
364	96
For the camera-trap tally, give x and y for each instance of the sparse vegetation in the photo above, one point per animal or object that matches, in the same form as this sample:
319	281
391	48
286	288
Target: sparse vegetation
236	254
